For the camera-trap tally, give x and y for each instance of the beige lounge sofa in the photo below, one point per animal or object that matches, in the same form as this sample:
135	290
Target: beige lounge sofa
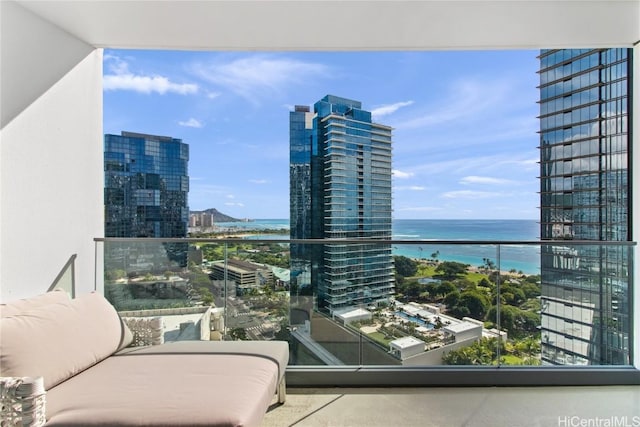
91	377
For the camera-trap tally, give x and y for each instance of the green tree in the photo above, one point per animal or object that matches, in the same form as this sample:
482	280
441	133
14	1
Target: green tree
432	288
471	303
488	264
531	290
529	346
515	321
465	284
238	334
486	283
206	295
410	288
451	299
482	352
199	279
451	269
445	288
405	266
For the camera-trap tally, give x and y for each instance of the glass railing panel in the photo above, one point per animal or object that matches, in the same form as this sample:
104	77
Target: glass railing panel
516	312
66	280
451	295
167	280
437	304
585	304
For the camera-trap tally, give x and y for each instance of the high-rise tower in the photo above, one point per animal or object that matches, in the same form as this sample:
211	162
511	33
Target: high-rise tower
146	186
585	142
340	175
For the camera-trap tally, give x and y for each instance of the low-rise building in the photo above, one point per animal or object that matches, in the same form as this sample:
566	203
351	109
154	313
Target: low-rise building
353	315
247	275
406	347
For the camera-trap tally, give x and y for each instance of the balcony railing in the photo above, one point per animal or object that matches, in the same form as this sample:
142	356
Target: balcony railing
444	307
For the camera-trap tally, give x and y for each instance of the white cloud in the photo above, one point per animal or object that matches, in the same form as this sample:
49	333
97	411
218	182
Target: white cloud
121	78
400	174
385	110
410	188
489	164
234	204
192	123
258	181
466	98
213	95
483	180
255	76
470	195
230	196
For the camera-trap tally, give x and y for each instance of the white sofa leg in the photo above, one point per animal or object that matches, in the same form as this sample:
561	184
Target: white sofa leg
282	391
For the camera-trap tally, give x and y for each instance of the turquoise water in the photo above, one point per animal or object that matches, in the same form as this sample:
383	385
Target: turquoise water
519	257
415	319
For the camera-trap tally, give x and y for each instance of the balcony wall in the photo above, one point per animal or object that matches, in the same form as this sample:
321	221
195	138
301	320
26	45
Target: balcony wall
51	173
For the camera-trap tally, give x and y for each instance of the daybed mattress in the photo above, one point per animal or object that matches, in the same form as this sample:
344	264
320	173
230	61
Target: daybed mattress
174	384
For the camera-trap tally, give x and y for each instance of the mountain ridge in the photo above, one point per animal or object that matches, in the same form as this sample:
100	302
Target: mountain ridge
217	215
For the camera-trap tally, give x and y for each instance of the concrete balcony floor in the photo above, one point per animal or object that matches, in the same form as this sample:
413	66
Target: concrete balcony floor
459	406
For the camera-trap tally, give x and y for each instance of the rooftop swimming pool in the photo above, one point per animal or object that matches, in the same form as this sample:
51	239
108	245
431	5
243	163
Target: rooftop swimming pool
414	319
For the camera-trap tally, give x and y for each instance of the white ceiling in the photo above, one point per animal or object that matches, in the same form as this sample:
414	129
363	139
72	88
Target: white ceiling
345	24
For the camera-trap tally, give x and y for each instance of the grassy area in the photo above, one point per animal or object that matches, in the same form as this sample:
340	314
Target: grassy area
380	338
430	271
510	359
475	277
425	270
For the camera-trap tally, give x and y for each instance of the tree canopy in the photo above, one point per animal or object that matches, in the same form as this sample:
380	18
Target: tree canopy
471	303
405	266
451	269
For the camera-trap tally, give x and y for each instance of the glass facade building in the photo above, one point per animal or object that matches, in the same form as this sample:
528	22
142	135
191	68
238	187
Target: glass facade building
146	186
340	173
585	144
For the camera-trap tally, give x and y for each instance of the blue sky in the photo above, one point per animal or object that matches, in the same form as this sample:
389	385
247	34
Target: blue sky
464	139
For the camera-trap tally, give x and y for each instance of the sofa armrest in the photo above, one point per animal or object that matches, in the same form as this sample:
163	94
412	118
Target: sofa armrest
146	331
22	401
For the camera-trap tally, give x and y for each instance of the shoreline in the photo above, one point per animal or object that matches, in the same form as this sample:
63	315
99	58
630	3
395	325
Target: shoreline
529	270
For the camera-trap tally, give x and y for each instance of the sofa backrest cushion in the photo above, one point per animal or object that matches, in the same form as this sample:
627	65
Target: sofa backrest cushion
16	307
59	340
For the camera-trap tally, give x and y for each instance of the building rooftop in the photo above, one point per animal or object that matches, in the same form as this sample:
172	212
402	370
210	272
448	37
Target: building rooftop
405	342
456	328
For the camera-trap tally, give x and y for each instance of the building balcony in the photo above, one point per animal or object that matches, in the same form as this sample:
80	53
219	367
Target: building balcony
52	144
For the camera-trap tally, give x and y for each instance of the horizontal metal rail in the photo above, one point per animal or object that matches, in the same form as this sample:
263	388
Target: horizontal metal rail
368	241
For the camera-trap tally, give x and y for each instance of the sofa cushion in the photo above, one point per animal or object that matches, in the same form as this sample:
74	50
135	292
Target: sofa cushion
276	351
127	336
16	307
59	340
184	383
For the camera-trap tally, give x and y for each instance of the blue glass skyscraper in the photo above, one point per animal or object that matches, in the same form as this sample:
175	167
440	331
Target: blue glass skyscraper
146	186
340	173
585	146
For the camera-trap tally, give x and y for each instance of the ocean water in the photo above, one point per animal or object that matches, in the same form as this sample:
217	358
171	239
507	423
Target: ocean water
511	256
